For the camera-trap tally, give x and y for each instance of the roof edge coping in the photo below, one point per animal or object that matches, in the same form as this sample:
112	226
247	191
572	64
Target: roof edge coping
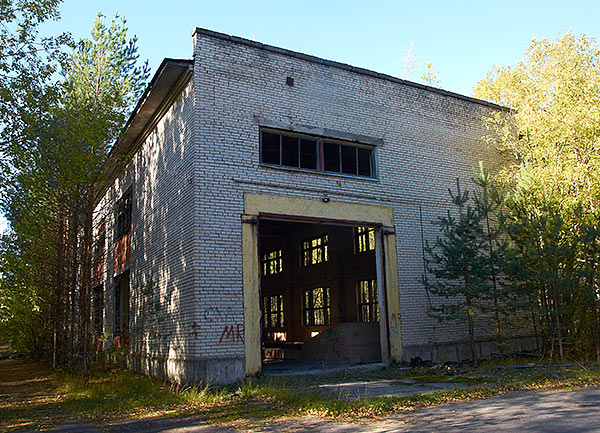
344	66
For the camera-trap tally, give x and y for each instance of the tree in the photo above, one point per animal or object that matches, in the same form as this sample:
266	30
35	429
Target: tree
554	129
27	64
103	82
54	173
27	89
430	76
552	216
488	202
457	262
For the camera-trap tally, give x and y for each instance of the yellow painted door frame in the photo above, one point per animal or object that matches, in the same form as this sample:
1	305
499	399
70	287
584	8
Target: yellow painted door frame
273	206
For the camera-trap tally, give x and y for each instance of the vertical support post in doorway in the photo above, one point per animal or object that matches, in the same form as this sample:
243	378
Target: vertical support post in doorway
381	295
392	293
252	344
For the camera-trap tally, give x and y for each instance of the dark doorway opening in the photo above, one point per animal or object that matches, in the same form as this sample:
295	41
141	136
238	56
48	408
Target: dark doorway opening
319	293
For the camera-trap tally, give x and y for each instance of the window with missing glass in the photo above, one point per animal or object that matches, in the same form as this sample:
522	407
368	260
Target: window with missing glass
315	250
272	262
121	303
364	239
273	311
316	153
368	302
98	309
317	311
123	215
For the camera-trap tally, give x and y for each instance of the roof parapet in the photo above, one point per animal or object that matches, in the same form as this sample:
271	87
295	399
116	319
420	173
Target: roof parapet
344	66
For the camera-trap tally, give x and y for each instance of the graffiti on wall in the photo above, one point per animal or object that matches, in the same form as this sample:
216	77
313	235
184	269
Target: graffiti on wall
217	315
232	334
394	327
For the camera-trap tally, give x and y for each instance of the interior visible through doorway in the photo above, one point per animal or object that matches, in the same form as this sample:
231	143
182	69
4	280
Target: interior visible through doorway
319	293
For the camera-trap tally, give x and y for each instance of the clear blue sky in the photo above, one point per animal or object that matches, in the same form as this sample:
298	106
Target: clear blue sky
463	39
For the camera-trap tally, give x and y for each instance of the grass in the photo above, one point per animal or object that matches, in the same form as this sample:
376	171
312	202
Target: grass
110	393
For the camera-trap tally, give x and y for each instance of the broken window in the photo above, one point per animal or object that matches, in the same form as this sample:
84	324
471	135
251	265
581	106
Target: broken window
273	311
368	303
308	154
314	153
122	305
272	262
315	251
317	307
98	254
364	239
98	308
271	148
123	216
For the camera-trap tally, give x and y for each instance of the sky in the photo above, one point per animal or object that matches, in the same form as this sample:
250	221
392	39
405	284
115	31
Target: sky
463	39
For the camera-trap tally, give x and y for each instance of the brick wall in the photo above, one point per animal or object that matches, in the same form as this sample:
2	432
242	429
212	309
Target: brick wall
162	277
190	175
429	139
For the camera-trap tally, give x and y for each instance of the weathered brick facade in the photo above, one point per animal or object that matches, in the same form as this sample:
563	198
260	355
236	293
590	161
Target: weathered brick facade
191	169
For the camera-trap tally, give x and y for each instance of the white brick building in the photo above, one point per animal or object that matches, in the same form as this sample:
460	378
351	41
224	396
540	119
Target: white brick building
235	170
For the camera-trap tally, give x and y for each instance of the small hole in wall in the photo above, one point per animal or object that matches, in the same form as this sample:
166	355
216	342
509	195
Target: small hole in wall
289	81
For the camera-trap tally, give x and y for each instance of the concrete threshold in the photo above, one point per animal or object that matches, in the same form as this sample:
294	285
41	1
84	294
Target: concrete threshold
385	388
291	368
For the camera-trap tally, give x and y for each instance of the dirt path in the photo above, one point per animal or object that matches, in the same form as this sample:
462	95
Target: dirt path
556	411
23	385
27	387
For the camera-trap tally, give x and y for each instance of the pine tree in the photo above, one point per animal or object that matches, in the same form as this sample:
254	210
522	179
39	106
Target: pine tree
457	262
488	202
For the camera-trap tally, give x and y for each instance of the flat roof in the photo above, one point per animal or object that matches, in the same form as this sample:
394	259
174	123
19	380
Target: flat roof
344	66
167	75
164	80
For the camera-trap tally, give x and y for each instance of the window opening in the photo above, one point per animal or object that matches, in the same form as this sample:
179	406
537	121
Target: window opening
315	251
289	151
308	154
368	303
122	312
98	300
317	311
273	311
98	254
331	157
349	160
364	239
271	148
123	215
272	262
314	153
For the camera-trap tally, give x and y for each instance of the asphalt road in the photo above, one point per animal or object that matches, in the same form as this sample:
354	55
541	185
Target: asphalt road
535	411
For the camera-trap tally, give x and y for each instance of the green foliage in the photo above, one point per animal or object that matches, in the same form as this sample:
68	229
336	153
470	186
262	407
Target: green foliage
60	138
552	210
103	83
457	263
430	76
27	65
21	324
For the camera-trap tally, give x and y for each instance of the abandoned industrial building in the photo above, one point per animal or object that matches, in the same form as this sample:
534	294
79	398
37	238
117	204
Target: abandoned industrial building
265	206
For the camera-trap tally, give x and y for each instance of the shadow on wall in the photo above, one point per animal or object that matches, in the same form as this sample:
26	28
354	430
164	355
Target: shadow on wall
161	278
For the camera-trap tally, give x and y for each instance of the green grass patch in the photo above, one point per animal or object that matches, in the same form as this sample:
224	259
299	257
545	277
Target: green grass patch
109	393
